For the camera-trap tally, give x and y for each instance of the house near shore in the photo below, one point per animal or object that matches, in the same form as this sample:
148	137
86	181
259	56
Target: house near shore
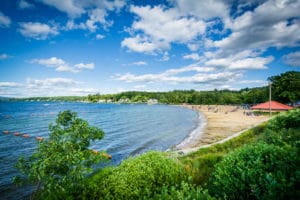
274	105
152	101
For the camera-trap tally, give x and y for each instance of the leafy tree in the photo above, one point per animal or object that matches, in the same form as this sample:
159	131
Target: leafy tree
61	163
286	86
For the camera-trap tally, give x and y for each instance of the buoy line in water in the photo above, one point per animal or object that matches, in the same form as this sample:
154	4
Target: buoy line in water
39	139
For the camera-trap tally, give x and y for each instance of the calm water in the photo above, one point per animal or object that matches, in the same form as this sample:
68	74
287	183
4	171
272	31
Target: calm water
129	130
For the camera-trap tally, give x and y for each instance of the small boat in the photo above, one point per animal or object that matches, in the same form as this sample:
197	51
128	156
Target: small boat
25	136
6	132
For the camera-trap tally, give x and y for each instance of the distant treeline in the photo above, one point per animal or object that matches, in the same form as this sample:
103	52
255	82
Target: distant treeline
59	98
285	88
249	96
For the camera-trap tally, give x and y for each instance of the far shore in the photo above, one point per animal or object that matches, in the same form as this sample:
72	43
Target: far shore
220	122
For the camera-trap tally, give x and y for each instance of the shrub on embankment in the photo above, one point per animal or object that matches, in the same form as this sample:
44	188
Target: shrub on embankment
140	177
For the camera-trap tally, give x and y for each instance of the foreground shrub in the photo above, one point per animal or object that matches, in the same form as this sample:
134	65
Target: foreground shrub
288	120
184	192
258	171
138	177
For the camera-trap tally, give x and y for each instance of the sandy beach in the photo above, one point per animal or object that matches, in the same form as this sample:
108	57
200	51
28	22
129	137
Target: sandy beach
219	122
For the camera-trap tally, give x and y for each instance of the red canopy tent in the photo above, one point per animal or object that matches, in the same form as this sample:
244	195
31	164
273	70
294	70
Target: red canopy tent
274	106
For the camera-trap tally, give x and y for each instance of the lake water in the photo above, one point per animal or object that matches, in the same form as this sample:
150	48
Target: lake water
129	130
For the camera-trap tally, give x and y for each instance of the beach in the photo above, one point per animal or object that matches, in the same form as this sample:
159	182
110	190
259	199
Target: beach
219	122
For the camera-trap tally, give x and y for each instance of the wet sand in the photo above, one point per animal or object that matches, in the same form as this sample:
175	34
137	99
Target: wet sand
221	122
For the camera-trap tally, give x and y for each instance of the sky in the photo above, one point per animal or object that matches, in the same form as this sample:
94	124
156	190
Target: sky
81	47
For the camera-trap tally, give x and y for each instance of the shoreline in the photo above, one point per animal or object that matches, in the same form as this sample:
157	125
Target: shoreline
221	123
195	134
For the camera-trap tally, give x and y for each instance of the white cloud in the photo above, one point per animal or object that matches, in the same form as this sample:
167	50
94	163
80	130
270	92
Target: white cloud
97	16
4	56
139	63
99	36
62	66
96	11
85	66
165	57
4	21
57	86
199	75
274	23
37	30
49	82
202	9
246	63
25	5
143	44
292	59
193	56
10	84
160	27
49	62
71	7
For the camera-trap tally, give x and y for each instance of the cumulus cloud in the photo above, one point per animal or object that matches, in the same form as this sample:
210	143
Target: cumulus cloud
160	27
247	63
292	59
25	5
62	66
202	9
57	86
4	21
49	82
99	36
97	12
139	63
10	84
36	30
85	66
71	7
199	75
193	56
273	23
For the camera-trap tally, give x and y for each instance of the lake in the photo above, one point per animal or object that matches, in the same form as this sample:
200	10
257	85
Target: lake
130	129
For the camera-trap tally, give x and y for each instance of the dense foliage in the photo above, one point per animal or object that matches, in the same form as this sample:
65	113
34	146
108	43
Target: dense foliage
137	177
260	171
61	163
286	87
249	96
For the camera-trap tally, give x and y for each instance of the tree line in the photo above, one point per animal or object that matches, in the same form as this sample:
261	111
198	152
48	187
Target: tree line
285	88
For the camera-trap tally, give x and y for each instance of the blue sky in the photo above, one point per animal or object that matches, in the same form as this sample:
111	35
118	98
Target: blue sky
80	47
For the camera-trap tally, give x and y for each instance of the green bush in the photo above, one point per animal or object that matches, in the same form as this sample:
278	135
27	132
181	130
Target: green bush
142	176
259	171
184	192
290	119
